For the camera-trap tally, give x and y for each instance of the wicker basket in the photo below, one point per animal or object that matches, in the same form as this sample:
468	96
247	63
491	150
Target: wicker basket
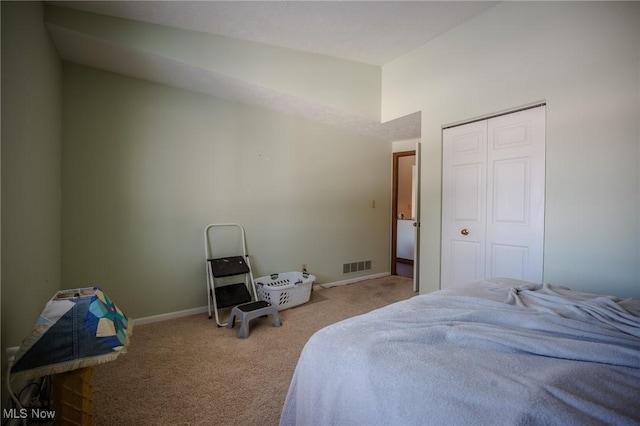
73	397
285	290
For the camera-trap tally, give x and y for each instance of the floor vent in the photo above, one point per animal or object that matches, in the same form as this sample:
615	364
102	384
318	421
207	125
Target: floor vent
351	267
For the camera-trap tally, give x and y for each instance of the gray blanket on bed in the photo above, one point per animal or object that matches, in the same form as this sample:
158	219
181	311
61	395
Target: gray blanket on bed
493	353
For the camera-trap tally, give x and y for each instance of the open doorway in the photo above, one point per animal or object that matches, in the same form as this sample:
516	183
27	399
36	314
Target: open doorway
404	213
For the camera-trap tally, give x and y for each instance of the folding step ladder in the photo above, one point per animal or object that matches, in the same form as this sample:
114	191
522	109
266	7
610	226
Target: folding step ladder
220	293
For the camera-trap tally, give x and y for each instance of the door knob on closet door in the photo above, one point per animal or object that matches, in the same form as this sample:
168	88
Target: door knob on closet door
465	231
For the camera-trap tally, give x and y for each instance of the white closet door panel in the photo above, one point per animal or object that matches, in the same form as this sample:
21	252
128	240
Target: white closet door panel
467	261
467	192
463	204
515	195
511	183
509	261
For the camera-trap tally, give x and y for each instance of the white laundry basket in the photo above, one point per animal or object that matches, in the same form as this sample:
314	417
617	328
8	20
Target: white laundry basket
286	289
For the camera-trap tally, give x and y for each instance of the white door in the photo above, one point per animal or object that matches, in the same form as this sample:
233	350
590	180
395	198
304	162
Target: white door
515	194
464	175
493	199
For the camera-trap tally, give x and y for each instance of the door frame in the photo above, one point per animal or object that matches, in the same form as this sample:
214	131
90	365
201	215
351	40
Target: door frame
394	212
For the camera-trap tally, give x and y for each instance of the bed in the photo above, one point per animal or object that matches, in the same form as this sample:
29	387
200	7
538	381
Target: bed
501	352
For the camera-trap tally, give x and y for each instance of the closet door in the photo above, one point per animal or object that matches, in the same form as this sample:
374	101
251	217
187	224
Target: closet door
464	176
493	199
515	194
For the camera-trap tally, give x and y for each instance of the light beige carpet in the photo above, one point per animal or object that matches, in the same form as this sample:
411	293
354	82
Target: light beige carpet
188	371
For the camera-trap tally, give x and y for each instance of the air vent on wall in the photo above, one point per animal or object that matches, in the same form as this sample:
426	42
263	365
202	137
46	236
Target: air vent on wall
351	267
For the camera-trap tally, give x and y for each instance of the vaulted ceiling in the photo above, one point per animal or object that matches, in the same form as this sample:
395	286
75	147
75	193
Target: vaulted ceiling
348	35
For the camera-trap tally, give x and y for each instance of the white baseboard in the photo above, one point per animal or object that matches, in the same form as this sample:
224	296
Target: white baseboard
170	315
204	309
351	281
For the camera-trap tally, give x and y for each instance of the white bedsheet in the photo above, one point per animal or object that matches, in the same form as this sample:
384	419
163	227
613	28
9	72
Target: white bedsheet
502	352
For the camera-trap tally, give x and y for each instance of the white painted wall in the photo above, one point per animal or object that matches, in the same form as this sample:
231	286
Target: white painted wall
404	145
146	167
335	83
581	58
31	137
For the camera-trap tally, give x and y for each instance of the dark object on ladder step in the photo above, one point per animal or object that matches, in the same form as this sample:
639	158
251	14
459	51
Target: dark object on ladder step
245	313
228	266
231	295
